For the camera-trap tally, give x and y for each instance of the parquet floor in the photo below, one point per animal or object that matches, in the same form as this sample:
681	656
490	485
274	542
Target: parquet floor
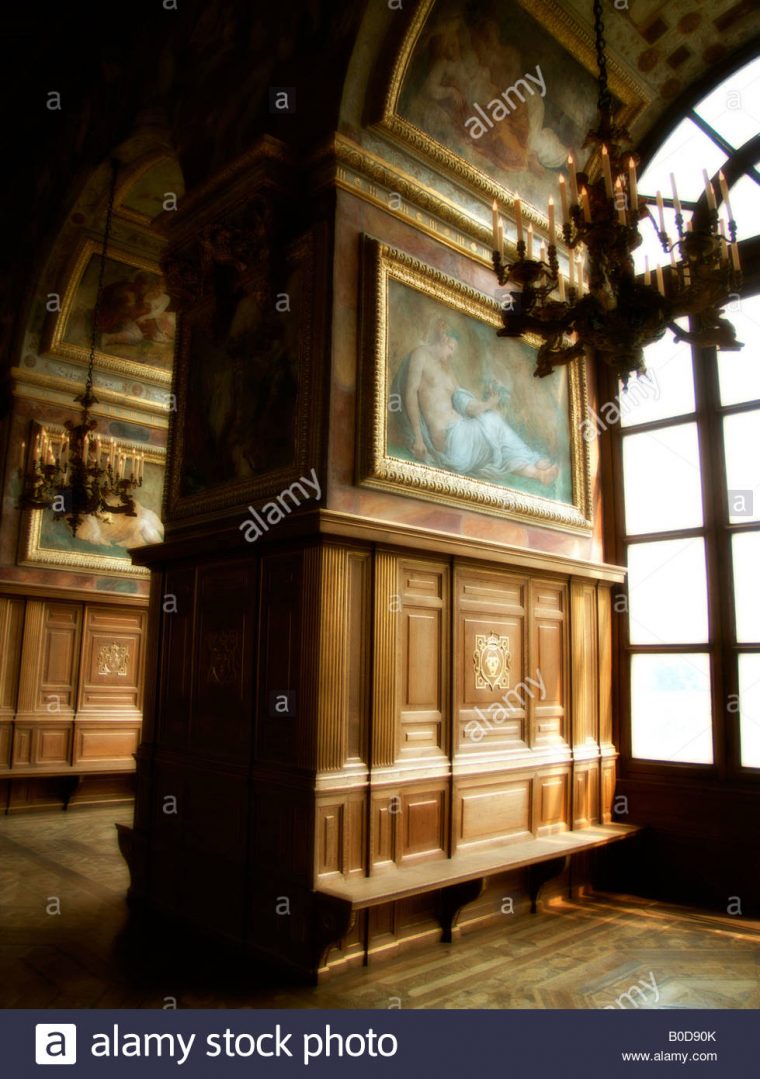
574	954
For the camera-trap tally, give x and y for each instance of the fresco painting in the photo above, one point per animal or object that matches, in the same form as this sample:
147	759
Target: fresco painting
490	86
135	321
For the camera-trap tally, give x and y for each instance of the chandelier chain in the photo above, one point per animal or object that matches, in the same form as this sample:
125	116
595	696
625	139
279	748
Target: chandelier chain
101	277
605	98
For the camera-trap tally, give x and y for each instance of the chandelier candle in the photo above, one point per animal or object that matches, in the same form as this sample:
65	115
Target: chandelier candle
606	172
724	196
709	191
573	179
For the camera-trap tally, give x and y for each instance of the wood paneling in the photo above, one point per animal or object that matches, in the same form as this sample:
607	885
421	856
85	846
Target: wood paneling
110	745
359	654
491	811
112	660
177	621
50	658
586	795
490	715
71	682
385	661
423	824
552	808
279	668
11	628
343	677
547	695
604	628
220	721
385	673
424	661
608	789
585	663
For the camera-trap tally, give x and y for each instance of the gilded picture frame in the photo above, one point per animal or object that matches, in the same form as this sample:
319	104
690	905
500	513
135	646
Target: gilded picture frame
147	346
565	33
44	542
539	422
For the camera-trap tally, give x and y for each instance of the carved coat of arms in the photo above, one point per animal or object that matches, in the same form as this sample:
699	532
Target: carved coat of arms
112	659
492	661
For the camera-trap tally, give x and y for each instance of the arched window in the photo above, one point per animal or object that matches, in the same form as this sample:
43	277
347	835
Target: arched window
687	458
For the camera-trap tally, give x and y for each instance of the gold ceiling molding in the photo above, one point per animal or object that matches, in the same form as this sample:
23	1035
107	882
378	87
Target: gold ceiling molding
361	173
52	389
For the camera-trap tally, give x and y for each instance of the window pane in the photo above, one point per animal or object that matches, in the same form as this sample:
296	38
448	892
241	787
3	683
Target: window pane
739	372
746	552
685	152
741	437
749	709
667	389
670	708
667	592
650	246
744	195
662	481
732	108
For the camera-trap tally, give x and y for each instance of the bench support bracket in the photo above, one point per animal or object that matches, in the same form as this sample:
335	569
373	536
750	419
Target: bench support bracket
542	872
451	900
333	919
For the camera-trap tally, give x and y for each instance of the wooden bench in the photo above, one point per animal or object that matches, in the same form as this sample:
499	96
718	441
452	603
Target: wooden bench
458	881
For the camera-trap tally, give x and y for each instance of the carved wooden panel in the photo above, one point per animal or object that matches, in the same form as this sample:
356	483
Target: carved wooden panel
585	661
608	789
107	745
11	626
552	809
176	678
424	664
43	744
344	656
490	660
51	744
22	745
359	654
492	810
112	660
423	824
221	715
385	812
586	795
604	625
6	734
547	688
280	630
50	658
330	830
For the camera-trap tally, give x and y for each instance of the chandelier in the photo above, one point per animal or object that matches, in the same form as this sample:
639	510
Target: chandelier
613	313
74	472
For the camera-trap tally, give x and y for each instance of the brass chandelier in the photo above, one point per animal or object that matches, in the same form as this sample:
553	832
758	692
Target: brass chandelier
77	473
615	314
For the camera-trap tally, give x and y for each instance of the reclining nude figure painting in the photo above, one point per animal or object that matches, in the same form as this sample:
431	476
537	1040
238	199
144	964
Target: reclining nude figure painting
455	405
